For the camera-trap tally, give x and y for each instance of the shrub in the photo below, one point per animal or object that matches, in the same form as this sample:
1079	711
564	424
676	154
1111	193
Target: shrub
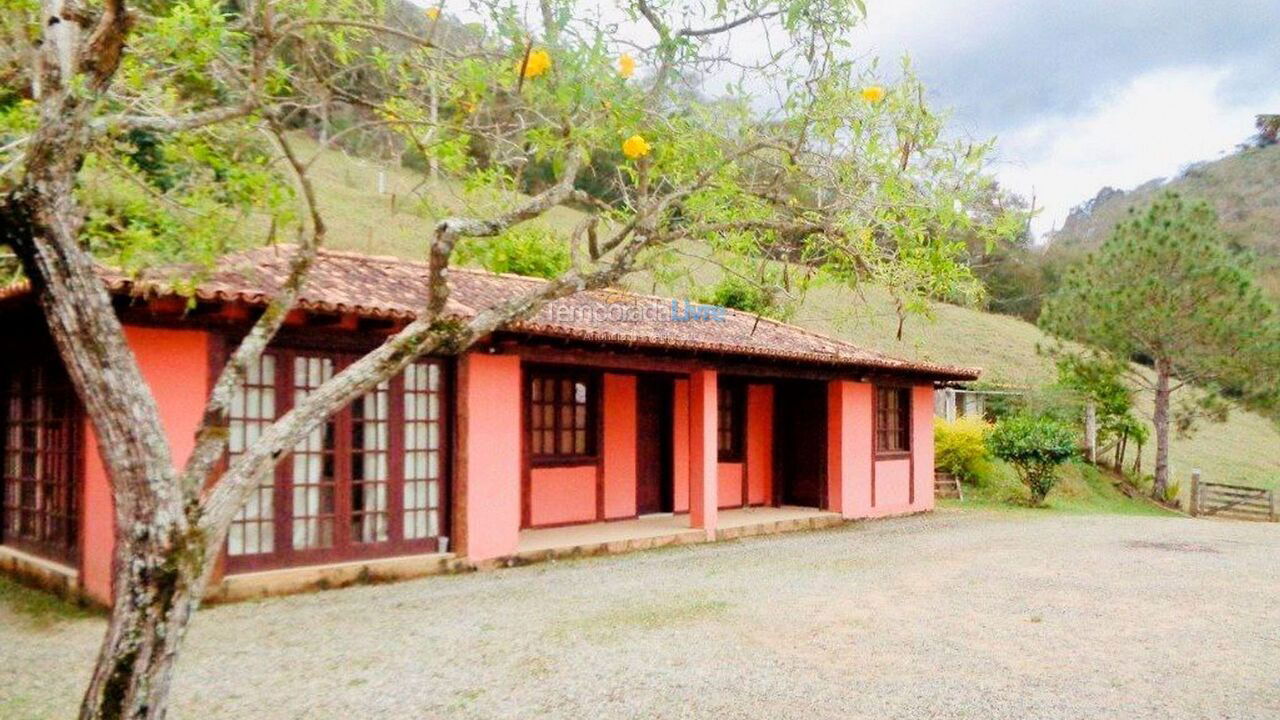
527	251
960	446
738	294
1035	447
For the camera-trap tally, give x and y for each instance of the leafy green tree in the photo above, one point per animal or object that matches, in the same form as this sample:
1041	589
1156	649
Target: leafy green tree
141	136
1035	447
1166	290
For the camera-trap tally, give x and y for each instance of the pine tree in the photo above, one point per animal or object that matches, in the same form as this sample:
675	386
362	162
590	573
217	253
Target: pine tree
1167	291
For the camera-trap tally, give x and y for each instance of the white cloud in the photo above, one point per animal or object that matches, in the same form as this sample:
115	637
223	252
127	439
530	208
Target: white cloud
1153	126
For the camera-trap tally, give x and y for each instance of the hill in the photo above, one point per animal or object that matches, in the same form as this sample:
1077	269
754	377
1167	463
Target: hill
1245	449
1241	186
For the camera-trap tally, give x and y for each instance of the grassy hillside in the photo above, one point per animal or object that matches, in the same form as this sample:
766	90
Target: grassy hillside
1246	448
1242	187
398	221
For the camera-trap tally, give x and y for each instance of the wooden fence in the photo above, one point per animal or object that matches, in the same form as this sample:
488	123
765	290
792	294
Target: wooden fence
1237	502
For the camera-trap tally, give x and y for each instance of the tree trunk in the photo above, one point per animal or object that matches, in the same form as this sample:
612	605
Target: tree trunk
1161	419
159	580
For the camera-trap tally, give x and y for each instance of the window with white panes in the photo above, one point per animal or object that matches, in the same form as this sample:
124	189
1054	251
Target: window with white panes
314	477
253	408
369	481
423	451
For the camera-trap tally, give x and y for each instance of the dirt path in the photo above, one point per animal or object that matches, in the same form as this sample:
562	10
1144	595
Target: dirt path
955	614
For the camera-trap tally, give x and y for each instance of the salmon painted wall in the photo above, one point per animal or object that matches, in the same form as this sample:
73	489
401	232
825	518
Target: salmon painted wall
488	469
842	423
730	484
849	448
619	446
680	445
703	485
894	479
760	444
175	364
922	444
559	495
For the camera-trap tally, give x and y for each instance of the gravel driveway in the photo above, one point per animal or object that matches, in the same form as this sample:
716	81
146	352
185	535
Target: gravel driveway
955	614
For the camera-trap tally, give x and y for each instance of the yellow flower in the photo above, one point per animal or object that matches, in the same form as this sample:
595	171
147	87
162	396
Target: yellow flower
433	13
873	94
538	62
634	147
626	65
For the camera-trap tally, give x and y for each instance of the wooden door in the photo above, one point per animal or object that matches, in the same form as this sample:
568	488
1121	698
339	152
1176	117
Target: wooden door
800	435
653	444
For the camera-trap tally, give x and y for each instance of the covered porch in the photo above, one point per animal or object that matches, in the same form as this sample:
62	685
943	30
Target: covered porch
580	452
652	531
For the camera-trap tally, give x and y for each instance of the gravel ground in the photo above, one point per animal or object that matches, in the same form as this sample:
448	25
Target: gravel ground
955	614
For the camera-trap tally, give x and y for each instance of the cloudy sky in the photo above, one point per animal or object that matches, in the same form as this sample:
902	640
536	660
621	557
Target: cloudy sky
1089	93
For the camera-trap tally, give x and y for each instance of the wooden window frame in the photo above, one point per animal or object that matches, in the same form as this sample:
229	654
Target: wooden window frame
344	546
731	441
59	442
592	379
902	446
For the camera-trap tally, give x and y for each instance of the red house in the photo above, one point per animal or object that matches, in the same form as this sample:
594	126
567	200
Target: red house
610	421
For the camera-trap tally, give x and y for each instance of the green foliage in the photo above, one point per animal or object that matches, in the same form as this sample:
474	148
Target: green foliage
959	446
1168	288
527	251
1102	380
184	201
1036	447
737	293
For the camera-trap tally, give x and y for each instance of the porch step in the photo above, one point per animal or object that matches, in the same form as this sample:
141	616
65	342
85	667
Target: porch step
646	533
947	486
606	547
815	522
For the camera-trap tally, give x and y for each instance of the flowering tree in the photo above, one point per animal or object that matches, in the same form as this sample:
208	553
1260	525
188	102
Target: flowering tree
142	135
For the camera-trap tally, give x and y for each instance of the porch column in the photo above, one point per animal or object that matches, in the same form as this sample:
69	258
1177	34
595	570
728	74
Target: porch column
849	447
703	481
486	496
839	445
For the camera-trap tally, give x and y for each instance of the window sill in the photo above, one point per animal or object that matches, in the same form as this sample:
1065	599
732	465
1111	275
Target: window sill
895	455
567	461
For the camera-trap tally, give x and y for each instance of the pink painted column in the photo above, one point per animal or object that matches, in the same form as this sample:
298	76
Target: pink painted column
703	466
840	447
487	471
922	446
849	448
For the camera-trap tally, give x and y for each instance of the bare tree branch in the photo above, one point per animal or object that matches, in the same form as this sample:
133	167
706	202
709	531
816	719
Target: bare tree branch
212	435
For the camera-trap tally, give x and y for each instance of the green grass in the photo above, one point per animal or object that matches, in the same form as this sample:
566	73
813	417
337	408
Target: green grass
359	218
1246	449
1081	489
37	607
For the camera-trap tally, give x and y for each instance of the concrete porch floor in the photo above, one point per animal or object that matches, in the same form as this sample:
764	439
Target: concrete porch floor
653	531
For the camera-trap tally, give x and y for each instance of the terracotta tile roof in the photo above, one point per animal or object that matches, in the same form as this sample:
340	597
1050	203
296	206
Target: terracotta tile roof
386	287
